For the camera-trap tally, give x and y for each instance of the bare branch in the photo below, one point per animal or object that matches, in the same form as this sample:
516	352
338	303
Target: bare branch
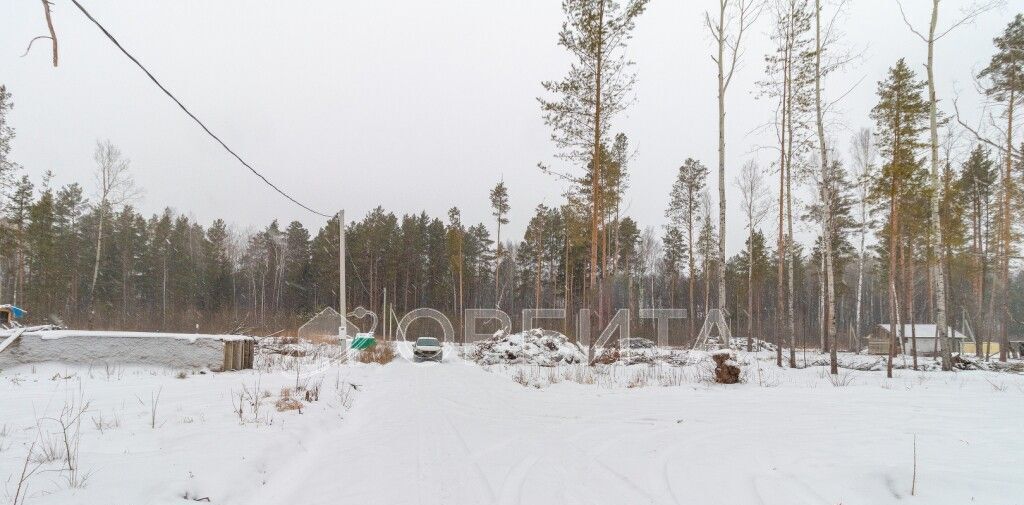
53	33
749	11
29	48
899	3
970	14
980	138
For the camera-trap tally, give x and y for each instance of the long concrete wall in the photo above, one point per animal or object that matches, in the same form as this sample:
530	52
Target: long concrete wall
179	351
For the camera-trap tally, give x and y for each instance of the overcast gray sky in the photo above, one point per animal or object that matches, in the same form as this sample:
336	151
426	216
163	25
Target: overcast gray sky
408	104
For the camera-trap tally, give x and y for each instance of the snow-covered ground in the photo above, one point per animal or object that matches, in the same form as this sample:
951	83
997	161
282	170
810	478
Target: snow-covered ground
457	432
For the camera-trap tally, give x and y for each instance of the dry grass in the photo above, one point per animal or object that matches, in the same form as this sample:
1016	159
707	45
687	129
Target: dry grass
605	376
637	381
520	377
382	352
839	380
999	387
273	354
285	404
103	424
324	339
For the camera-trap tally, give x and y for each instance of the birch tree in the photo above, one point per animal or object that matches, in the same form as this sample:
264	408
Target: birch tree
826	60
862	153
935	235
788	80
727	27
114	187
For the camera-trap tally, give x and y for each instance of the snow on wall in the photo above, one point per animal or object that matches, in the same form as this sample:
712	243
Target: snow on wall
185	351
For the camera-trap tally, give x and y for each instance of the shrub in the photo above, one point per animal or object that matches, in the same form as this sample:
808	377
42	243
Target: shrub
382	352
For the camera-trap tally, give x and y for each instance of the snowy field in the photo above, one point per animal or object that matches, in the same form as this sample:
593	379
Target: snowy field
460	433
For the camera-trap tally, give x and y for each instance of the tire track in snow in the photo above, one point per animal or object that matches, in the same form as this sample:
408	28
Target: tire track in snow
443	415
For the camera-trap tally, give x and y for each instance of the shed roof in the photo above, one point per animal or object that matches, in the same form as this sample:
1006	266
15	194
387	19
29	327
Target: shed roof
926	331
17	311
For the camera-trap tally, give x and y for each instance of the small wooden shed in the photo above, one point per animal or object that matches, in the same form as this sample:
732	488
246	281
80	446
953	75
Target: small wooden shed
8	314
927	343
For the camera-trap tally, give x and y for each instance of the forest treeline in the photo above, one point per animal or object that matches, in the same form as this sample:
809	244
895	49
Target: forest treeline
916	216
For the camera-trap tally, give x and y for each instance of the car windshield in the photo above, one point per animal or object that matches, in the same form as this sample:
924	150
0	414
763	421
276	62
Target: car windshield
428	341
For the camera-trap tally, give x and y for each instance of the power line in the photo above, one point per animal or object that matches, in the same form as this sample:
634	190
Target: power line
191	115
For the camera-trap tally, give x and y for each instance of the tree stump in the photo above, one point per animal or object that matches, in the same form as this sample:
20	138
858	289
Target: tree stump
727	369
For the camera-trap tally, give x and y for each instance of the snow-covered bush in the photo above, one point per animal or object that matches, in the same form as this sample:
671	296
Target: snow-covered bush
533	347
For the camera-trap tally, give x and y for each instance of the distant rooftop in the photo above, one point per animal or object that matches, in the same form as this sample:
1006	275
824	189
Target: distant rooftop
925	330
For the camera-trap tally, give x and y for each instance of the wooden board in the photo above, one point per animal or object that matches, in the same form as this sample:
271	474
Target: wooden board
10	340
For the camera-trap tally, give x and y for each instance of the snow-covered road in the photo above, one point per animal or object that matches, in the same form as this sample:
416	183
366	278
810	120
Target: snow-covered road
452	433
455	434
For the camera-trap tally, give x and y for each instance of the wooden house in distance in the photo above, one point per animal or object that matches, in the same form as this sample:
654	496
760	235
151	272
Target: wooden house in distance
927	345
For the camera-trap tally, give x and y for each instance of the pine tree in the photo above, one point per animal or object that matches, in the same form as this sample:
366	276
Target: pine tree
41	242
754	265
977	184
297	268
683	213
6	138
68	211
457	258
500	208
18	220
707	240
1005	83
676	253
900	117
593	92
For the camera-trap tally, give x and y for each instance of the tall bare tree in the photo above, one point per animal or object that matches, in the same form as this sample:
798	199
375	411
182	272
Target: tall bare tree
863	154
826	60
756	205
727	27
789	76
47	4
937	271
114	187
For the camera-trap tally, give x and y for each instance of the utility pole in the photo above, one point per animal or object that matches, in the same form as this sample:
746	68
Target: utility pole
342	330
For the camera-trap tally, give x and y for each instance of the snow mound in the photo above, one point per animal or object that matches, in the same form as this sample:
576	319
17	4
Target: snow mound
740	344
533	347
640	351
637	343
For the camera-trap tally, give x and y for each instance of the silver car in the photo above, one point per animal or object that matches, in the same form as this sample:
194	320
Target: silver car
427	349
